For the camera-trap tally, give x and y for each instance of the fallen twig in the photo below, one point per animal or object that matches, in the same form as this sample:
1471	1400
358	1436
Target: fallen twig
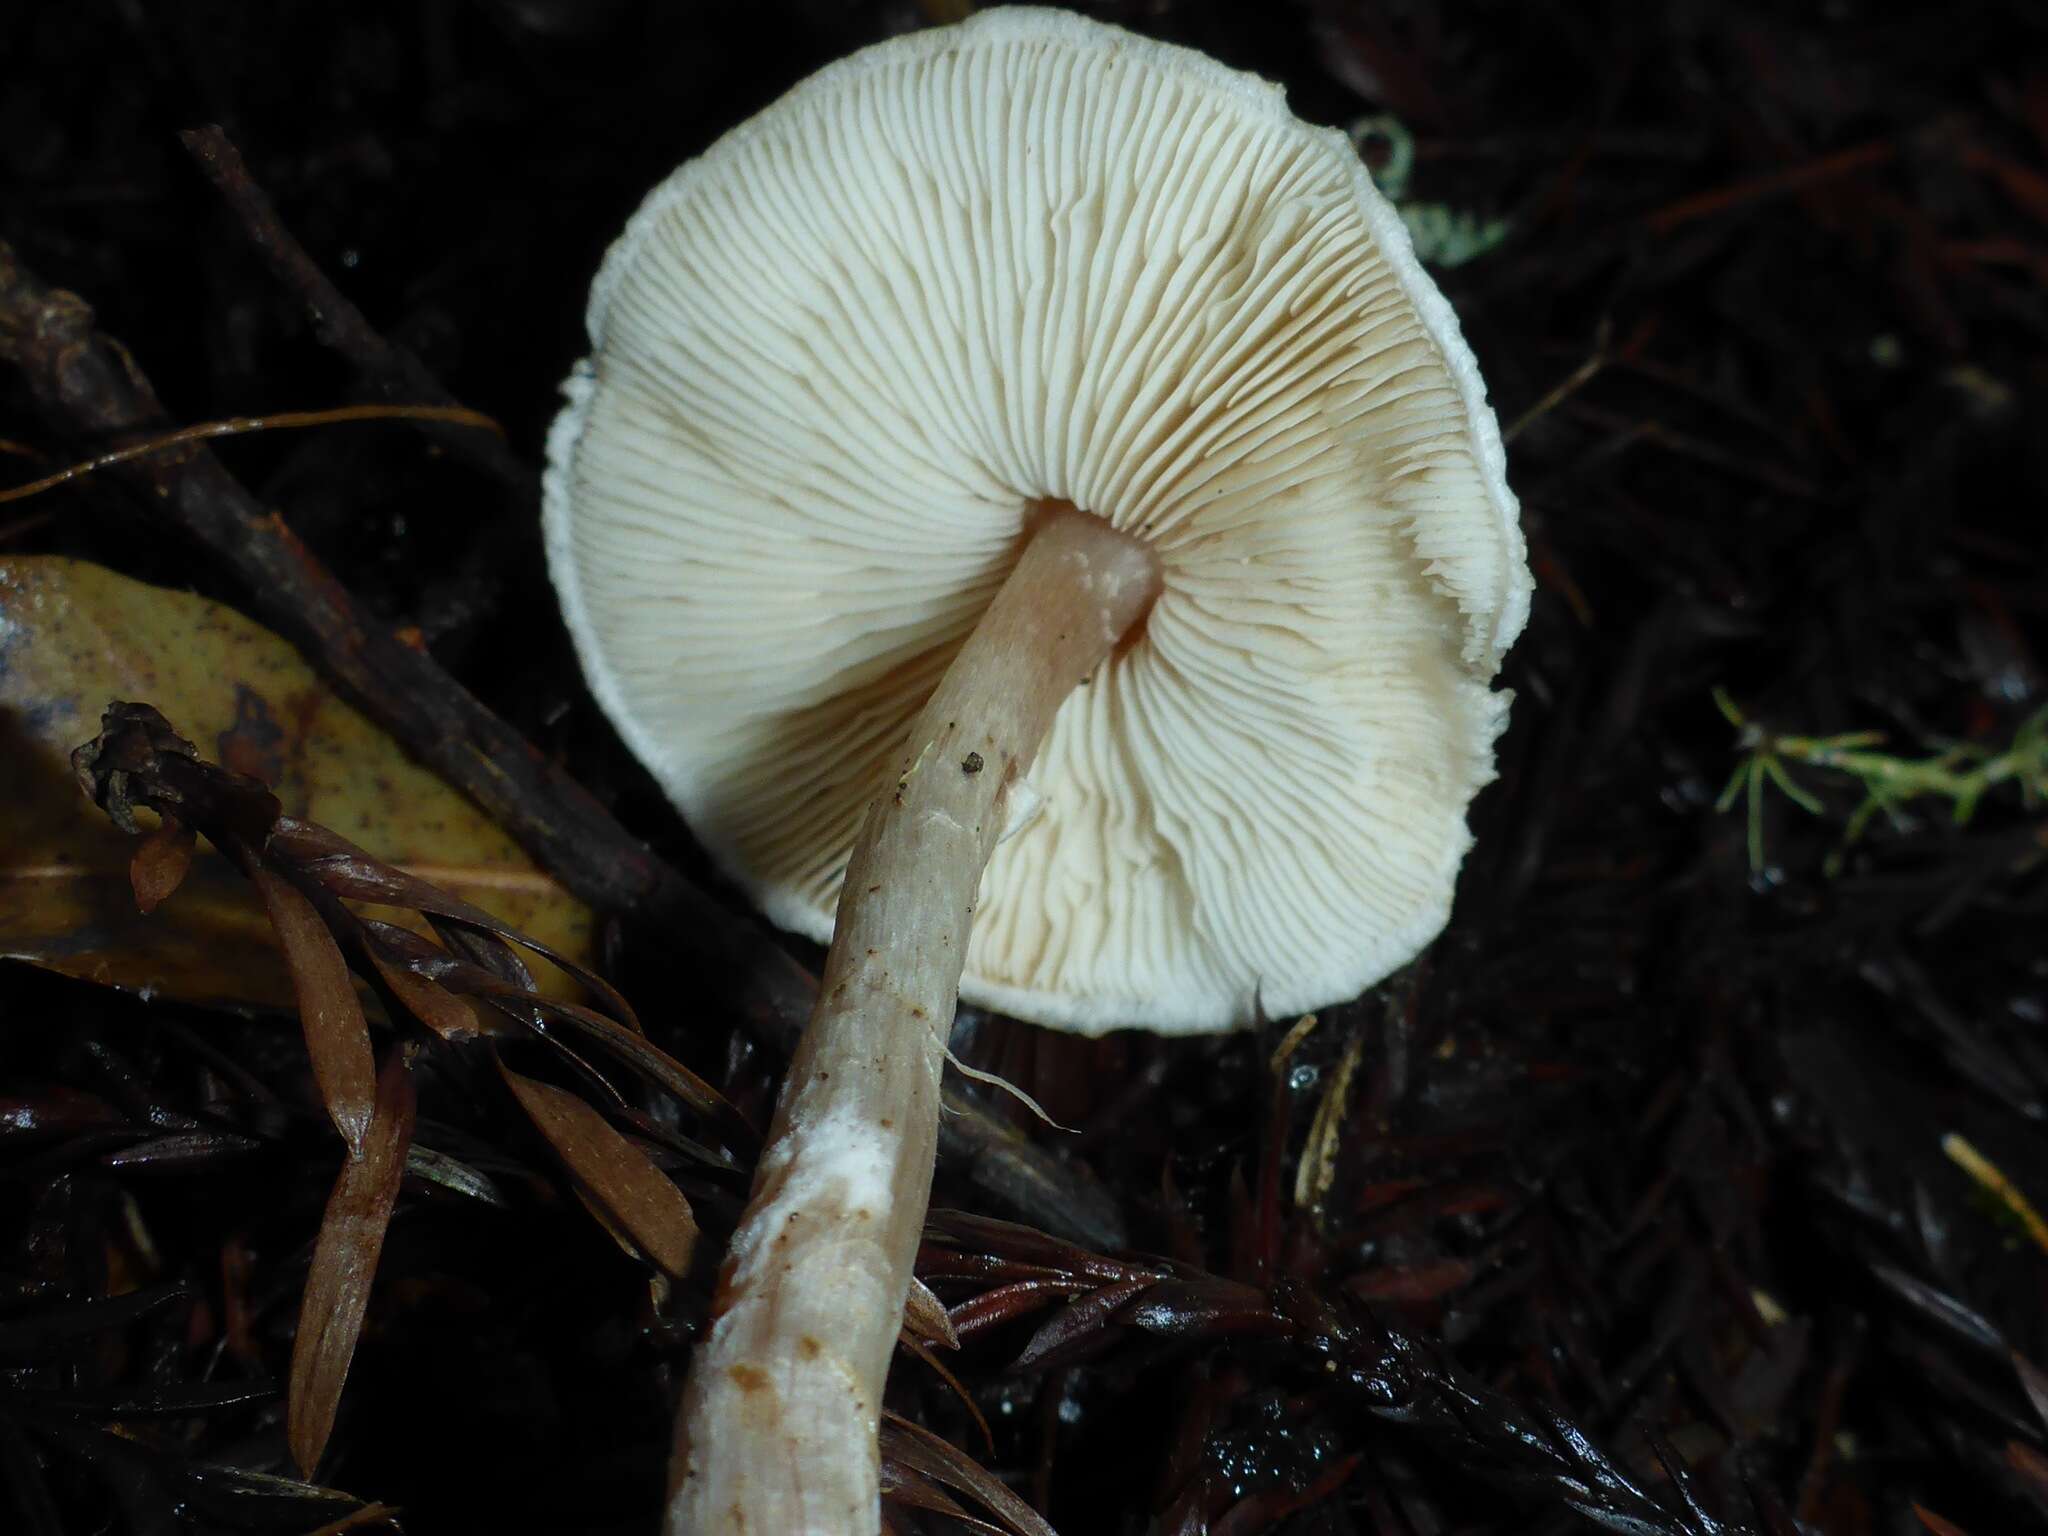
385	367
236	426
1791	178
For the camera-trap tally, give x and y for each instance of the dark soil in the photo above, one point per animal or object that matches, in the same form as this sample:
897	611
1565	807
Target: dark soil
1647	1212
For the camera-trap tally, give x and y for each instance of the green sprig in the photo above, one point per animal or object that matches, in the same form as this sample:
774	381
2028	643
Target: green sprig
1961	774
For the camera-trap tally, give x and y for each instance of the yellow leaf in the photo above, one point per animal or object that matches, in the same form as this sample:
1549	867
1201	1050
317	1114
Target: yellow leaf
72	637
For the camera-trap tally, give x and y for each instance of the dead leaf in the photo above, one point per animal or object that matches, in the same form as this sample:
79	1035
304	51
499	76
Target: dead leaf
427	1000
902	1485
73	636
925	1316
611	1173
344	1263
916	1448
337	1035
161	864
908	1340
1317	1170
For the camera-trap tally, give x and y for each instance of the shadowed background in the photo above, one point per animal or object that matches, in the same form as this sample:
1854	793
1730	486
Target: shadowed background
1656	1136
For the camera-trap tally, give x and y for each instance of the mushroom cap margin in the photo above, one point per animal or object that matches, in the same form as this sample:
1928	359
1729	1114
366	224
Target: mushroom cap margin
1477	601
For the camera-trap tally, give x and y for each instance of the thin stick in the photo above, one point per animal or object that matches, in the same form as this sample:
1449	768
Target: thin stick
237	426
779	1417
390	370
90	389
1790	178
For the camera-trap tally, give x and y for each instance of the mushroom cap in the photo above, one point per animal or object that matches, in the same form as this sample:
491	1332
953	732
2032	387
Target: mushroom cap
837	357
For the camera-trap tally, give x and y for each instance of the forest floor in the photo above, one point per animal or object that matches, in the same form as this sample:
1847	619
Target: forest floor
1689	1183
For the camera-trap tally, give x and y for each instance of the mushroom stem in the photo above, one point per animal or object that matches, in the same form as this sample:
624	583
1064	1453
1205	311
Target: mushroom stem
779	1417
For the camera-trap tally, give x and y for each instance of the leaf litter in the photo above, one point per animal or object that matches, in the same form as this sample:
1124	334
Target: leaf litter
1637	1210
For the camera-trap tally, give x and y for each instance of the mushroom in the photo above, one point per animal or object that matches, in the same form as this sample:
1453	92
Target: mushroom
1020	396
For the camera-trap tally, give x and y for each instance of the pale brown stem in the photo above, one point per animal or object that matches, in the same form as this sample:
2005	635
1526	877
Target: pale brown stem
777	1431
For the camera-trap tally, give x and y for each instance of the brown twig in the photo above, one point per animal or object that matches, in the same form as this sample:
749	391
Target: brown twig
91	390
389	369
1700	205
236	426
